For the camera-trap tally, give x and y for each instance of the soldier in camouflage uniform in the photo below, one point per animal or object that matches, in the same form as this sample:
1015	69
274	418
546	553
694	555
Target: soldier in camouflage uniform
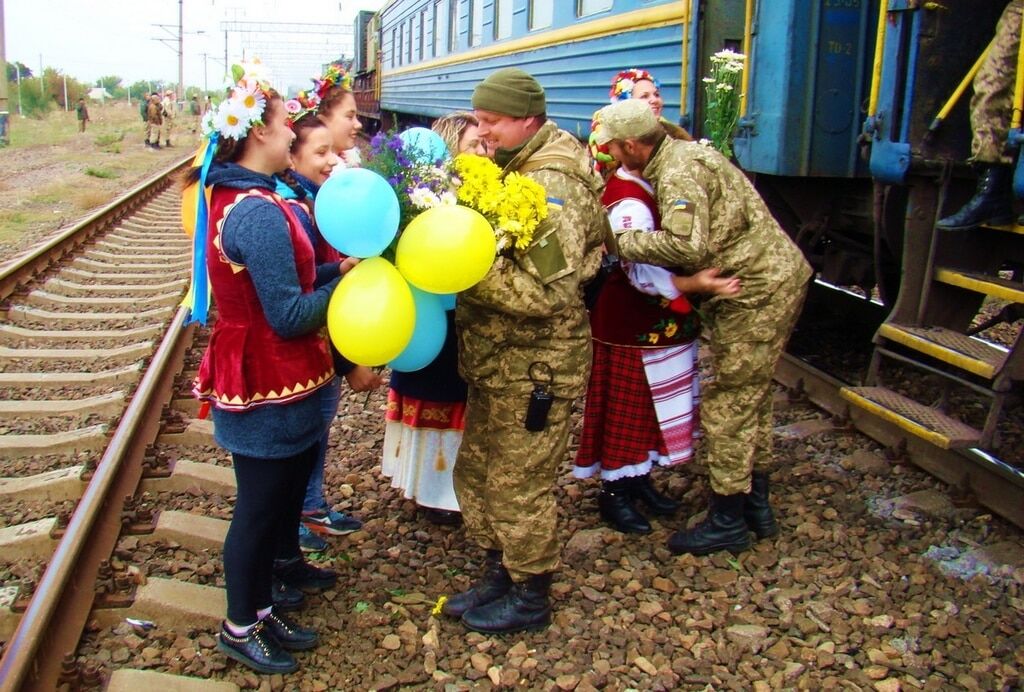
991	113
522	327
713	217
154	120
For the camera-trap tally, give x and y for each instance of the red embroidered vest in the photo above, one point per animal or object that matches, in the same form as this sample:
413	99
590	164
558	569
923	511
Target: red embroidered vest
246	363
624	316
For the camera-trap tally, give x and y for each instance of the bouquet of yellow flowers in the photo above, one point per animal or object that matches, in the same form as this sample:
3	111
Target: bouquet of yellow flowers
514	206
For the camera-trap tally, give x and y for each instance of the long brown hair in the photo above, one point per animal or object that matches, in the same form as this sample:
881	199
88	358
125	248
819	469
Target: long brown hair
231	150
331	100
451	127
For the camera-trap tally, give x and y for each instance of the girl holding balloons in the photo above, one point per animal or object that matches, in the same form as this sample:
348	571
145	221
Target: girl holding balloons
313	159
265	369
424	418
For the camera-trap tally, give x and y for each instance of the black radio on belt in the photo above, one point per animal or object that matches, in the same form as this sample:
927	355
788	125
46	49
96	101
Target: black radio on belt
540	398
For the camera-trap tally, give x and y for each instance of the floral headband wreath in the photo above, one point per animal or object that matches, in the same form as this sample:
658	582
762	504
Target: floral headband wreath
244	106
623	83
309	101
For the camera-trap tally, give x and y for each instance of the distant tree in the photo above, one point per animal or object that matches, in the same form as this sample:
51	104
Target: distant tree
36	102
53	80
14	67
112	83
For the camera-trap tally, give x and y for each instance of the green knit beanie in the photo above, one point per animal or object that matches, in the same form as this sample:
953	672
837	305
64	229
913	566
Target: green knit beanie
510	91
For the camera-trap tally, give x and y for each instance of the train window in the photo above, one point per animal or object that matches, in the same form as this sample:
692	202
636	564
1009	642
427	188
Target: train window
502	18
423	33
453	25
542	13
400	44
588	7
440	22
412	40
392	59
476	22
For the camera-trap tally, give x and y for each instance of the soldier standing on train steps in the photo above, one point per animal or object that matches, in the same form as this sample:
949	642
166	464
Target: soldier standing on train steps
991	113
525	352
713	217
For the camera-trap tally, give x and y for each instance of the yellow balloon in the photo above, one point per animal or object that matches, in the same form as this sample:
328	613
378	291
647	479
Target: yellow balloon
371	314
446	249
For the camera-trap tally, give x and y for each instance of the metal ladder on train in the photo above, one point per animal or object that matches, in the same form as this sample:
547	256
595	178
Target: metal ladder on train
930	343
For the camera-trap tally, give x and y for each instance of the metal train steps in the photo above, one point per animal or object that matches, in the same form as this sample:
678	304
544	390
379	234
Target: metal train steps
967	353
997	287
923	421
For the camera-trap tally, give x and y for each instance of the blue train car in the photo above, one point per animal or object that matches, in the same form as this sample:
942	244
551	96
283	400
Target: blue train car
435	52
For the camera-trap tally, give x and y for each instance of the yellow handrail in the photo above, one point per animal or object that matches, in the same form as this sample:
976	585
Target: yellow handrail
876	70
748	23
684	81
1018	87
960	89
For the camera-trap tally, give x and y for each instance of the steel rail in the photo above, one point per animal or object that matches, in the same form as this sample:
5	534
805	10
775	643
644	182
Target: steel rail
38	259
993	483
52	624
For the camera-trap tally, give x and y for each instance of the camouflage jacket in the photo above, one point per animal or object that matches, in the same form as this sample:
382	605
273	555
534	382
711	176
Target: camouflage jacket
529	307
714	218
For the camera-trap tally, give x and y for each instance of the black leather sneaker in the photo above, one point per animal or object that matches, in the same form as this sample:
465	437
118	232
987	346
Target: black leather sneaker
289	633
300	574
258	650
286	598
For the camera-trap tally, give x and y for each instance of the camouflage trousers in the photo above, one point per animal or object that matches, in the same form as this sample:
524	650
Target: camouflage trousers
167	129
152	132
992	103
736	411
505	479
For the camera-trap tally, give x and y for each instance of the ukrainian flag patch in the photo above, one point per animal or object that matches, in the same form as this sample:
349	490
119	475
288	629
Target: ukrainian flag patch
554	203
682	205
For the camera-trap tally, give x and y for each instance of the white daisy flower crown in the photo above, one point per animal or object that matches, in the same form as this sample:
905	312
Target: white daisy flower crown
243	108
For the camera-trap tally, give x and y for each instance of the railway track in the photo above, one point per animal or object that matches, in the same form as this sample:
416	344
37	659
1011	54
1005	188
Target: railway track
114	500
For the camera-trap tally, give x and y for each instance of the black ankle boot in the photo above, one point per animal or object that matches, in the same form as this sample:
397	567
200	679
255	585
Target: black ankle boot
659	505
723	529
757	512
992	202
494	584
526	606
615	503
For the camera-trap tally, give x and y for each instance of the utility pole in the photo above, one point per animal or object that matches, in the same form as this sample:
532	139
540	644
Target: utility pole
66	109
5	115
17	70
181	49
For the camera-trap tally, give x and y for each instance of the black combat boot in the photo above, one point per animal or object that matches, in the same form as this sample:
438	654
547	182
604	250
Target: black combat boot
526	606
992	202
659	505
167	143
494	584
615	503
758	512
723	529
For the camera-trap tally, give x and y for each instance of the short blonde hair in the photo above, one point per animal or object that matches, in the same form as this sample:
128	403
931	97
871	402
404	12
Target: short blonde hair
451	127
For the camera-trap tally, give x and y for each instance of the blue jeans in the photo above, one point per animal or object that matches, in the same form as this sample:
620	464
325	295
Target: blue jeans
315	501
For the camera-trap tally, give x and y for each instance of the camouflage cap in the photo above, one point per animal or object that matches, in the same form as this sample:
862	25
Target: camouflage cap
627	119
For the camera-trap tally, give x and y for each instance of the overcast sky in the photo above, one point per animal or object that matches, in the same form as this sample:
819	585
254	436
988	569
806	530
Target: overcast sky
87	39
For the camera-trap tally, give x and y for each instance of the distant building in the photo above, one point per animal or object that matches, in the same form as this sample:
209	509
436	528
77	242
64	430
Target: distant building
99	94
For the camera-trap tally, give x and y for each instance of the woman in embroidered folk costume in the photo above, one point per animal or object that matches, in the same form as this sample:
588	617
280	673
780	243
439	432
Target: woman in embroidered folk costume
424	419
265	368
643	392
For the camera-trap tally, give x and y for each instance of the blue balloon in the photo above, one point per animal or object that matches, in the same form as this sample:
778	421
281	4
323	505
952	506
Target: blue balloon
447	300
428	334
423	146
357	212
